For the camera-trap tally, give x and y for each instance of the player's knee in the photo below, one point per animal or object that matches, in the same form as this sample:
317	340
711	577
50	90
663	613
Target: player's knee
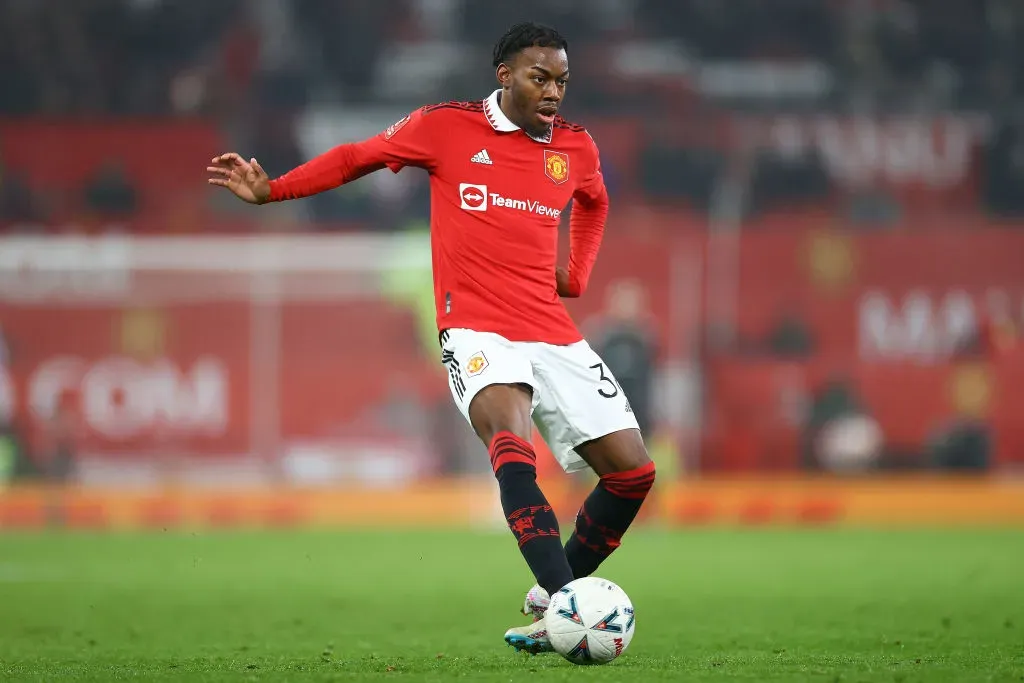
618	452
634	454
488	429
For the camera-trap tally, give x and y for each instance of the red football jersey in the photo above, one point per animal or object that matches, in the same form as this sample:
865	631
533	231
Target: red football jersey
497	196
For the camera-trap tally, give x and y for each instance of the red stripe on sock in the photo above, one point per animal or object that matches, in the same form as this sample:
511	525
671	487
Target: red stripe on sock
633	483
506	437
509	448
506	448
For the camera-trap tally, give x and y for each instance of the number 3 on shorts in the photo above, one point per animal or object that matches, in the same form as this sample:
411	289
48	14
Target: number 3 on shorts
605	378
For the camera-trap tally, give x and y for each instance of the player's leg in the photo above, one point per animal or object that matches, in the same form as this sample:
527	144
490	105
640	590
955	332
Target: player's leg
500	415
493	385
626	474
586	419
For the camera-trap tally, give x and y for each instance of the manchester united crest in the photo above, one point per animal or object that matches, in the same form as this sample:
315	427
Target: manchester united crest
556	166
476	364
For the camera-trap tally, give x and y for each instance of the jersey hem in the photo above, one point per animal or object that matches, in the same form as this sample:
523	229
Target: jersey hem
514	335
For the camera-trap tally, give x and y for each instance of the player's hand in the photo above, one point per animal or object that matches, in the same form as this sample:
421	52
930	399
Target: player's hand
564	284
246	179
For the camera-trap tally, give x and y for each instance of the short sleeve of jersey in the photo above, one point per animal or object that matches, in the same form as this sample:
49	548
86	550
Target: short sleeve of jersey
592	183
410	141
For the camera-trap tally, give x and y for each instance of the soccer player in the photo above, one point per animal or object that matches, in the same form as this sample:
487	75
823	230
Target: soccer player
502	170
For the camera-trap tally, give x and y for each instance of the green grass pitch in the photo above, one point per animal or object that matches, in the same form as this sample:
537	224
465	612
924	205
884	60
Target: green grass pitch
765	605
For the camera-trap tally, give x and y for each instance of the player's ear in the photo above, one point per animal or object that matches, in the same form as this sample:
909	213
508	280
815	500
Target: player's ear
504	75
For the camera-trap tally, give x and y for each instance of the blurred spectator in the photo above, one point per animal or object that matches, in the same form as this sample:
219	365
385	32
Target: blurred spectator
402	411
965	445
271	139
1004	167
848	443
18	202
348	39
15	465
110	192
790	337
871	207
624	337
996	332
6	352
835	433
670	172
102	57
13	461
788	180
58	460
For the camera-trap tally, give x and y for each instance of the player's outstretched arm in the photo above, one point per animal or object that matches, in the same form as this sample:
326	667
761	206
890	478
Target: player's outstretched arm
414	146
245	179
249	182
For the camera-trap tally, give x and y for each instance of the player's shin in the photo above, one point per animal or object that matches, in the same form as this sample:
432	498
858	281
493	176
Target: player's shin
529	516
605	516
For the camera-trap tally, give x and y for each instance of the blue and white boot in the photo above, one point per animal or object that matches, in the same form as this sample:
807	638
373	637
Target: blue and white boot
533	638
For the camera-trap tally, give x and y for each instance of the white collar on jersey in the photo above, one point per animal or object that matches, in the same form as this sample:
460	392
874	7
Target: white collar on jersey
501	123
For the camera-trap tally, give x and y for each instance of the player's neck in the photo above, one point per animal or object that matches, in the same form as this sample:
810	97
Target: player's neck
505	105
506	108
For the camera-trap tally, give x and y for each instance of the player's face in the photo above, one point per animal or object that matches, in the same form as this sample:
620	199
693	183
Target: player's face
536	82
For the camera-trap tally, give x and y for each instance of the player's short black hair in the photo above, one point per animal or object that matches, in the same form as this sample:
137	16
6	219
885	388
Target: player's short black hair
522	36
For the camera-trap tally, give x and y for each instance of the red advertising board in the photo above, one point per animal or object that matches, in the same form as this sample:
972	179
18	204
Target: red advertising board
892	296
217	375
134	380
892	313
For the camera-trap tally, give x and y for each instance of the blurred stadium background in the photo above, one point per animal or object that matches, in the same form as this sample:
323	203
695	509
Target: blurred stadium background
812	284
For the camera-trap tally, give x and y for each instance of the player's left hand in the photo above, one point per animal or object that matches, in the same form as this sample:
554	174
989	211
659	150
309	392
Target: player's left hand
564	284
246	179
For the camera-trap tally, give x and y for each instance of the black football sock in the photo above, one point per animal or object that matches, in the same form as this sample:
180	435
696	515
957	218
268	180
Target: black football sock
529	515
605	516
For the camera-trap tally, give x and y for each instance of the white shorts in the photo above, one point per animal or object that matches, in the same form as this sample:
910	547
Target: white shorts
575	397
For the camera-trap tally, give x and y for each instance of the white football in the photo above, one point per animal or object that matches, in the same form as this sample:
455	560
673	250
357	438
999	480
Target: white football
590	621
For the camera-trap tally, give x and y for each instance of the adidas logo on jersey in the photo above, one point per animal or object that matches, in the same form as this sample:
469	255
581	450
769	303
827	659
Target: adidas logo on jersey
482	157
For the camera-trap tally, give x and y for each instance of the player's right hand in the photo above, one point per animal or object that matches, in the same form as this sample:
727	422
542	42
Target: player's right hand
567	289
246	179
